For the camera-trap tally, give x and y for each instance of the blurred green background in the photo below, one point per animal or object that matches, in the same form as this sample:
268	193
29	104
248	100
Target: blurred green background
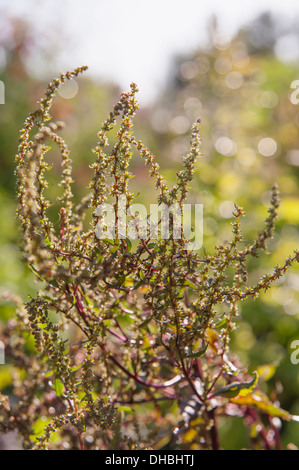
242	90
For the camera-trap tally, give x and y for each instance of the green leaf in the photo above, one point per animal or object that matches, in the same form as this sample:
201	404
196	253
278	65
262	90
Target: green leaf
106	399
58	387
152	246
47	241
129	244
75	368
221	324
110	241
190	284
54	283
124	408
200	352
35	271
141	281
49	374
145	323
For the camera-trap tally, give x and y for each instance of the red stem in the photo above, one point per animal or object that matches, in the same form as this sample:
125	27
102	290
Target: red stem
213	431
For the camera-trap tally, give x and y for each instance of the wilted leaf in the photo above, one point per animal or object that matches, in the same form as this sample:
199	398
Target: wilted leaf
266	371
262	402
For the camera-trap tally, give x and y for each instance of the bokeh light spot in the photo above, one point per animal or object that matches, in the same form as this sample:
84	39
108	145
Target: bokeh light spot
234	80
225	146
292	157
179	125
226	209
69	89
188	70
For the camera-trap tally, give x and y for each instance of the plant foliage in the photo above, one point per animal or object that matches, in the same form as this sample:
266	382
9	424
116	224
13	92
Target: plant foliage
131	340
